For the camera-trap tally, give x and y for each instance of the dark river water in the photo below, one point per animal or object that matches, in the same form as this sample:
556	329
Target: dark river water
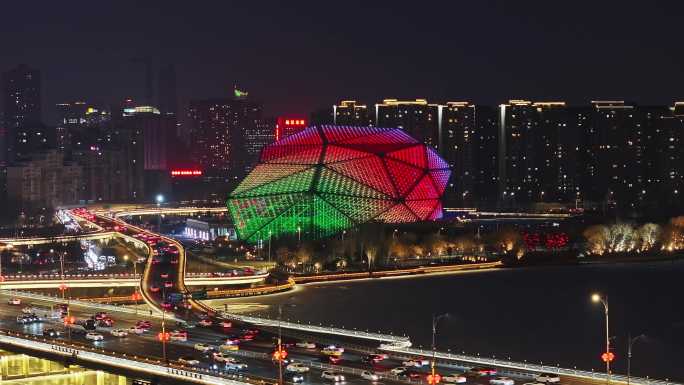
534	314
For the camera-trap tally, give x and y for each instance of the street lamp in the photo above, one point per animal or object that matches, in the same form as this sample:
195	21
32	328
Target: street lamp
607	356
299	234
281	354
435	321
160	199
630	343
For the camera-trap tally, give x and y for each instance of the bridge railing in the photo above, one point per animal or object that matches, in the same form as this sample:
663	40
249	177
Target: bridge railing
519	368
391	339
86	304
86	276
125	361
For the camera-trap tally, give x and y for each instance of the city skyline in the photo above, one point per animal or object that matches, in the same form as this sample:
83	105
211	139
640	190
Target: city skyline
284	57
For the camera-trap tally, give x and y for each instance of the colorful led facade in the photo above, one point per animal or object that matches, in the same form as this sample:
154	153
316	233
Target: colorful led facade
325	179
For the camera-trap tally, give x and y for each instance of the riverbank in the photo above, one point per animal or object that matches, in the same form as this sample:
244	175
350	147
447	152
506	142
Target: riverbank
569	258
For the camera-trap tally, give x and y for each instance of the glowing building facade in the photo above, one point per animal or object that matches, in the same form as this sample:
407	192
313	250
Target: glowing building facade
324	179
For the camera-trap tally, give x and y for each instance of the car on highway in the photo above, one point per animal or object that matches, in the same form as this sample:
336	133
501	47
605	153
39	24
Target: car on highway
483	371
154	288
119	333
164	275
206	322
502	381
178	336
331	375
294	377
186	360
297	367
136	330
247	337
225	324
220	357
332	350
547	378
373	358
94	336
305	345
166	305
51	333
145	324
334	359
233	364
399	370
414	363
174	261
232	340
229	347
100	316
14	301
28	319
105	323
454	378
202	347
27	310
168	284
412	374
370	376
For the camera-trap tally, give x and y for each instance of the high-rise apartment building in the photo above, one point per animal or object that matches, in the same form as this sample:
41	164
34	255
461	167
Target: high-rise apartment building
258	136
218	135
470	146
351	113
21	102
519	176
47	180
417	117
76	121
556	152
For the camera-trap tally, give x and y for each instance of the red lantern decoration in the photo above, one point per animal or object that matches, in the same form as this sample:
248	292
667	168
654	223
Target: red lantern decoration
608	357
433	380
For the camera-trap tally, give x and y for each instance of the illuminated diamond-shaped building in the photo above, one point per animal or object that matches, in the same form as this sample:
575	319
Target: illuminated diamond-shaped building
325	179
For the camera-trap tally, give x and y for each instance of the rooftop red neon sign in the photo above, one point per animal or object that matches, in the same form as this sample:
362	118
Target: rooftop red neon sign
186	172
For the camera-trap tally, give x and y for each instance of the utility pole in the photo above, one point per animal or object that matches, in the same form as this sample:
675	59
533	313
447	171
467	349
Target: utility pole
435	321
630	343
608	355
280	346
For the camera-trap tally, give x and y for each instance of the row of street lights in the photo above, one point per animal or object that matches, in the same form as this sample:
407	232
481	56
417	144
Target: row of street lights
607	357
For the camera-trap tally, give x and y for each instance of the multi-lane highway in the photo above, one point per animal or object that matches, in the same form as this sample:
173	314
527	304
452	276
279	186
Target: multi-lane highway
255	353
163	288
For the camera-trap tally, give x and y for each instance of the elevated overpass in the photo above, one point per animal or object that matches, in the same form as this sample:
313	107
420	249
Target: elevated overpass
162	211
95	235
130	363
54	282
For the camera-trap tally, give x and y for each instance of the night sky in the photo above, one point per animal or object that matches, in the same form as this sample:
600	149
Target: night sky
297	56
